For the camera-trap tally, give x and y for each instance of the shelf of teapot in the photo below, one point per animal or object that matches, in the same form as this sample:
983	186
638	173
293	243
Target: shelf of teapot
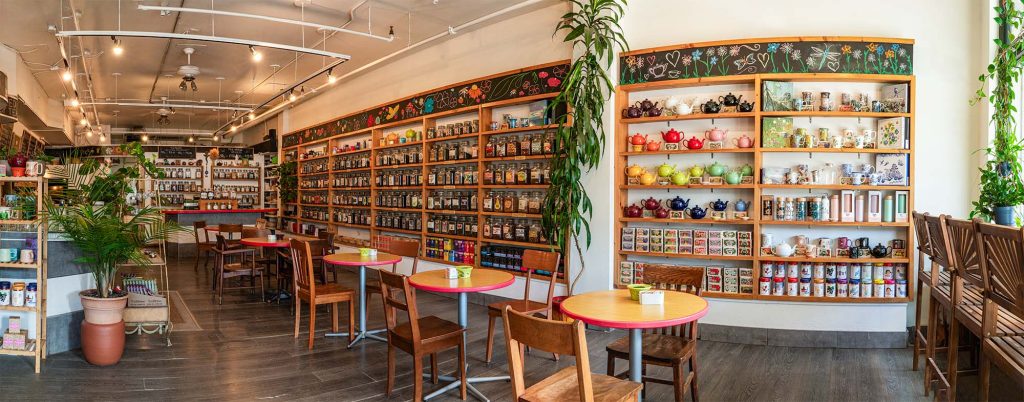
693	256
771	258
691	151
685	186
703	221
693	116
853	224
833	187
839	150
833	114
516	186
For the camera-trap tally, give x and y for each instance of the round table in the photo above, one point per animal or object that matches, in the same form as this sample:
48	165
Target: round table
614	309
277	243
480	280
357	260
216	228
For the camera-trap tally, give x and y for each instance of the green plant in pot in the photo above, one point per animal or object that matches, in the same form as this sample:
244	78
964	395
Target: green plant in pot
593	29
95	218
1001	188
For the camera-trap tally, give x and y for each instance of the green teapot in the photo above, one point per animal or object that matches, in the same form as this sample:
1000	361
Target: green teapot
716	169
681	178
747	170
696	171
733	177
666	170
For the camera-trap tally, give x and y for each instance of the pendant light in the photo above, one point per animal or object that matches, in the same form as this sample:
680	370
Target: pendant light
145	137
256	54
74	102
66	76
84	121
291	96
216	137
117	49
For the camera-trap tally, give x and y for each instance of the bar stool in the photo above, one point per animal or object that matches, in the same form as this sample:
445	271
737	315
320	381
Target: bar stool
1001	257
967	293
940	296
926	279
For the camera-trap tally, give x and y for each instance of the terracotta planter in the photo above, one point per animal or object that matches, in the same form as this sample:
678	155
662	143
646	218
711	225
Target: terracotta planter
103	344
102	311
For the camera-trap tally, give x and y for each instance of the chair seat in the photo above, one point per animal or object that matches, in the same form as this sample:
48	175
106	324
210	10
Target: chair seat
563	386
238	266
329	293
1010	349
431	328
666	348
1007	324
971	294
522	306
926	276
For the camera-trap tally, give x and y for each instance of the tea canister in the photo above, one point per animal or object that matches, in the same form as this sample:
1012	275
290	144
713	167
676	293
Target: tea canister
842	289
855	272
805	287
865	289
830	271
767	270
888	272
878	271
890	288
831	288
901	272
18	294
30	295
767	240
805	271
854	288
778	286
865	273
819	271
879	288
818	288
5	293
841	271
792	270
766	286
901	288
780	270
792	286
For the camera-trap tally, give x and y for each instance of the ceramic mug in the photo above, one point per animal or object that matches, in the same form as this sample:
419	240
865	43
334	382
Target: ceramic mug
33	169
28	256
857	178
5	213
5	255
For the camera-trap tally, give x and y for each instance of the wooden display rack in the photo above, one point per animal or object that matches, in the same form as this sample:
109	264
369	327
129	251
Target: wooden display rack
755	225
482	112
36	347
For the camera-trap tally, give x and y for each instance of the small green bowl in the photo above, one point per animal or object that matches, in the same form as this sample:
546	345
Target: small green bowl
464	270
364	252
635	289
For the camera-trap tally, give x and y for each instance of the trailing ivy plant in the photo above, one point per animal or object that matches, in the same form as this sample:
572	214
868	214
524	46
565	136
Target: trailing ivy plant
1001	184
593	29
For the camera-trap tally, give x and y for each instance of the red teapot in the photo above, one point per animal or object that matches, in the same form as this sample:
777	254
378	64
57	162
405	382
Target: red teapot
653	145
671	136
694	143
661	213
652	204
638	139
633	211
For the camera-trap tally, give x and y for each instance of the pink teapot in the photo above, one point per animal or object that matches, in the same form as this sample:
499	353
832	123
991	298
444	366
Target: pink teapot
715	134
743	142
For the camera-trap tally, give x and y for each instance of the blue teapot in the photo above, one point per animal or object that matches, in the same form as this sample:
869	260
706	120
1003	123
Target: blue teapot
740	205
696	212
719	205
679	204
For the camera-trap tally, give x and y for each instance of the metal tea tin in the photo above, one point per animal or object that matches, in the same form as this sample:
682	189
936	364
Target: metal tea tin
792	287
901	288
792	270
901	272
879	288
830	271
842	289
878	271
854	288
30	295
888	273
805	287
865	289
841	271
780	270
819	271
890	288
818	287
865	273
805	271
778	286
18	294
5	293
766	286
767	270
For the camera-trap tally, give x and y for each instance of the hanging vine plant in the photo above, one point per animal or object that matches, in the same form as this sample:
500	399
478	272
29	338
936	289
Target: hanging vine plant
593	29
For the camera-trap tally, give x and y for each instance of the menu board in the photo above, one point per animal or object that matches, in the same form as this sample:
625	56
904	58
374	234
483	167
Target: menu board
233	153
176	153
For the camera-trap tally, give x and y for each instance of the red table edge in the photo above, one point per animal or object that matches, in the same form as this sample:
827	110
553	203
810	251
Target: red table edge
217	211
639	325
460	290
362	263
276	244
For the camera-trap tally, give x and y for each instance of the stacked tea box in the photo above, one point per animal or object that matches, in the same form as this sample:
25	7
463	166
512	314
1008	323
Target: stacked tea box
15	338
687	241
716	278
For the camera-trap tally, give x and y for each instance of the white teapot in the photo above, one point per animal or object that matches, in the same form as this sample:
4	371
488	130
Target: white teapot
784	250
678	107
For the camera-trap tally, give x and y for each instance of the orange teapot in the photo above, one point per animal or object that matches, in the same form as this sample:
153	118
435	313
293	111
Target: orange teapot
653	145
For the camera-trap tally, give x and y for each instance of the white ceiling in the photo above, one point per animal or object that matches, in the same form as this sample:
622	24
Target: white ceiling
146	62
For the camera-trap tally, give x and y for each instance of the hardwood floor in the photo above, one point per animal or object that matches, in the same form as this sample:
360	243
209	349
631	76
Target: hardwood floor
246	352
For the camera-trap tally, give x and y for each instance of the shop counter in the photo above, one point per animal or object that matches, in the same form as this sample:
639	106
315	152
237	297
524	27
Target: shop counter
183	244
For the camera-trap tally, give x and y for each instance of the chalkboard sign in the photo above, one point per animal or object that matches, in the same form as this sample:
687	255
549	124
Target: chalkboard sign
176	153
231	153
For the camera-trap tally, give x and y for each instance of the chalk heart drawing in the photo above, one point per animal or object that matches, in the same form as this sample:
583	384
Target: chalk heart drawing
763	58
658	71
833	65
672	57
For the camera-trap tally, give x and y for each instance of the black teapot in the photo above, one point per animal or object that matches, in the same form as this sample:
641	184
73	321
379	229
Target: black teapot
880	251
719	205
632	112
711	107
730	99
745	106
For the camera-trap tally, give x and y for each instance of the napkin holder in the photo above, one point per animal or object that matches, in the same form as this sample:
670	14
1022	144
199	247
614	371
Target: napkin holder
451	273
655	297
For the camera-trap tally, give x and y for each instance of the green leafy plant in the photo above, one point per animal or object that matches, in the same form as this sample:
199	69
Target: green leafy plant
42	157
94	215
288	182
594	31
1001	184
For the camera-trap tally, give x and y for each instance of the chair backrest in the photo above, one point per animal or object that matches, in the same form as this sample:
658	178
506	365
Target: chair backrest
222	243
228	229
921	230
534	260
1001	257
261	223
937	244
254	232
963	249
559	337
399	296
302	260
200	226
326	235
405	248
678	279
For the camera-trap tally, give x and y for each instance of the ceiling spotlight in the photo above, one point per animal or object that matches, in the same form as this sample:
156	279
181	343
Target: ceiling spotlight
191	139
183	86
256	54
66	76
84	121
145	137
117	49
216	137
291	96
88	133
330	76
102	137
234	128
391	32
194	86
252	116
74	102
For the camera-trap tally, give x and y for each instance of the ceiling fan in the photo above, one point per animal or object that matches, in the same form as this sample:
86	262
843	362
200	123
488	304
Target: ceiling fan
188	72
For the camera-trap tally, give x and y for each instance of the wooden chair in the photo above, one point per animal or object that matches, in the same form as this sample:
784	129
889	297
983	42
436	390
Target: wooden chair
261	223
232	233
204	246
966	288
940	296
670	346
306	289
532	260
925	280
399	247
324	245
1001	258
417	336
264	257
235	262
573	383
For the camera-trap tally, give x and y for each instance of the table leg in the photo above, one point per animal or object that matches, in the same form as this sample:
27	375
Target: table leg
361	333
464	323
636	356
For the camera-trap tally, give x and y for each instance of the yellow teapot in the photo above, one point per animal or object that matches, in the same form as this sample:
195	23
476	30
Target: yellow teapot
635	171
647	178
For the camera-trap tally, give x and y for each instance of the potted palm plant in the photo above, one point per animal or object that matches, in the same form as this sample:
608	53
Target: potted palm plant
94	216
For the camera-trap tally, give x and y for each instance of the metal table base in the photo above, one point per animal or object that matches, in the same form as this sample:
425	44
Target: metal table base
361	332
464	323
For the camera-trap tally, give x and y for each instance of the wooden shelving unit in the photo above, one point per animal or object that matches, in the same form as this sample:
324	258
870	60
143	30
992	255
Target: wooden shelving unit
752	82
35	346
484	114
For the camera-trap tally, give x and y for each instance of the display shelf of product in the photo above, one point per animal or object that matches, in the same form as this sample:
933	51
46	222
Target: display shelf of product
695	256
838	150
865	260
685	186
520	129
695	116
832	114
831	187
453	137
690	151
688	221
27	296
511	215
828	223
